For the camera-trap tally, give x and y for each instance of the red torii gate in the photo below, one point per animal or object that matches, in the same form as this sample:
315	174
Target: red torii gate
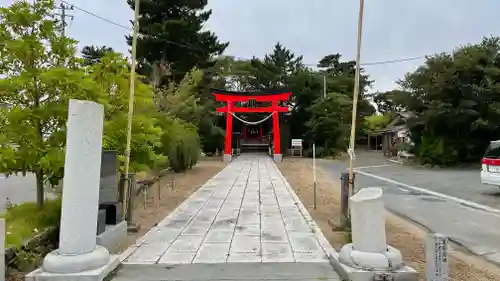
230	98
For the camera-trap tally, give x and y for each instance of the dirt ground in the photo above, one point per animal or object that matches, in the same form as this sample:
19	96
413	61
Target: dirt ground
164	196
402	234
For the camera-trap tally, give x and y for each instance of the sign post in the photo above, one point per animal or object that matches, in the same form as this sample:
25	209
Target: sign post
297	147
436	255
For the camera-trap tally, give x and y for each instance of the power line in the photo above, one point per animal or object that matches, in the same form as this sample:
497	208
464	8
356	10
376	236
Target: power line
97	16
237	57
393	61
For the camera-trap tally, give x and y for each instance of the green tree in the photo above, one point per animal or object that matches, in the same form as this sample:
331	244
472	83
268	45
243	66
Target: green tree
390	101
93	54
172	33
112	77
376	122
180	143
40	73
330	121
340	75
456	102
181	100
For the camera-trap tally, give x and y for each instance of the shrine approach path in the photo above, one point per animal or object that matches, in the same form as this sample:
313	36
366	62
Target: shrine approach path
246	223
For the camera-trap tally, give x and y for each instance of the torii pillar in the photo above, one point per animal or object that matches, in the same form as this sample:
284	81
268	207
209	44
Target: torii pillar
228	151
278	157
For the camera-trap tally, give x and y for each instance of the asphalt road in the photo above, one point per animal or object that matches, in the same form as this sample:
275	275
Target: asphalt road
18	189
405	192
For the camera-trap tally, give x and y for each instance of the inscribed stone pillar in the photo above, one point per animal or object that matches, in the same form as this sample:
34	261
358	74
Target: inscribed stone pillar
368	221
82	169
77	250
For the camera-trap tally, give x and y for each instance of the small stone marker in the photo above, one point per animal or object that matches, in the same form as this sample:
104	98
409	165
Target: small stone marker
2	249
436	255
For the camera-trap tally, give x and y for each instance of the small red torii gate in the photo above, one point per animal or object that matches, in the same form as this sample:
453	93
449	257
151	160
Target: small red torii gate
230	98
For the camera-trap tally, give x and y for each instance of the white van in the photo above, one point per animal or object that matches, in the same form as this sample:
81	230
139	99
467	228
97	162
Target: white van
490	165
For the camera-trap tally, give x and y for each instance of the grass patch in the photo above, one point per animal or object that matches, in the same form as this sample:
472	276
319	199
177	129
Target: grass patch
25	220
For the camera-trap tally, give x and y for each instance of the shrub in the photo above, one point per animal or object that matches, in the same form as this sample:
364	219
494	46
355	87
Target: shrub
213	139
320	152
435	151
181	144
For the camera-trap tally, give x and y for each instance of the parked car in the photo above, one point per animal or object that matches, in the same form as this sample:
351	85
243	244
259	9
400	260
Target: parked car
490	164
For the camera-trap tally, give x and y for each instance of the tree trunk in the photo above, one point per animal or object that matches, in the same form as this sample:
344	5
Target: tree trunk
39	189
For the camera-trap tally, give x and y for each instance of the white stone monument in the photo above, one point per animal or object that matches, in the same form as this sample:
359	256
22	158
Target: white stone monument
2	249
369	255
436	257
78	255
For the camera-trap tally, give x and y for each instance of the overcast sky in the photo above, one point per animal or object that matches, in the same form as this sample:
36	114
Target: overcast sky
393	29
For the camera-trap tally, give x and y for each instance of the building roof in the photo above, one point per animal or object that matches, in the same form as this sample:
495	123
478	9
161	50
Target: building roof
398	123
392	129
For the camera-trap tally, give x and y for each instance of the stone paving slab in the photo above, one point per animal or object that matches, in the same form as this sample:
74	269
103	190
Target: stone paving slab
229	272
247	213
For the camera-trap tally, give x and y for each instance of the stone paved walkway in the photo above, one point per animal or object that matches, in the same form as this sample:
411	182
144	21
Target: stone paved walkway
246	213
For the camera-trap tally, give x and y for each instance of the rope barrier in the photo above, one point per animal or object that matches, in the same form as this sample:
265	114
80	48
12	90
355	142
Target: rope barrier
253	123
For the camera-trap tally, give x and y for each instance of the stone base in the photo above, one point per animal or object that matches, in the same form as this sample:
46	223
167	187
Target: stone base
390	260
55	262
92	275
278	157
349	273
226	158
113	235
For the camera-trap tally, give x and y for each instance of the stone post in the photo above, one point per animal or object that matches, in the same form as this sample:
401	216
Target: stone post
368	249
80	198
344	198
436	257
368	216
2	249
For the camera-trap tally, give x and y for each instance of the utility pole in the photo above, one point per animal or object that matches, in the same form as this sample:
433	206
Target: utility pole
324	86
355	98
63	7
130	107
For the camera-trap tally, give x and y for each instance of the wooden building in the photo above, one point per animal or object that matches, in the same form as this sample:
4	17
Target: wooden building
387	138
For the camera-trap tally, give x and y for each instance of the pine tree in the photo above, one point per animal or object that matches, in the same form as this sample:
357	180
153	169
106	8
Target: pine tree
171	33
